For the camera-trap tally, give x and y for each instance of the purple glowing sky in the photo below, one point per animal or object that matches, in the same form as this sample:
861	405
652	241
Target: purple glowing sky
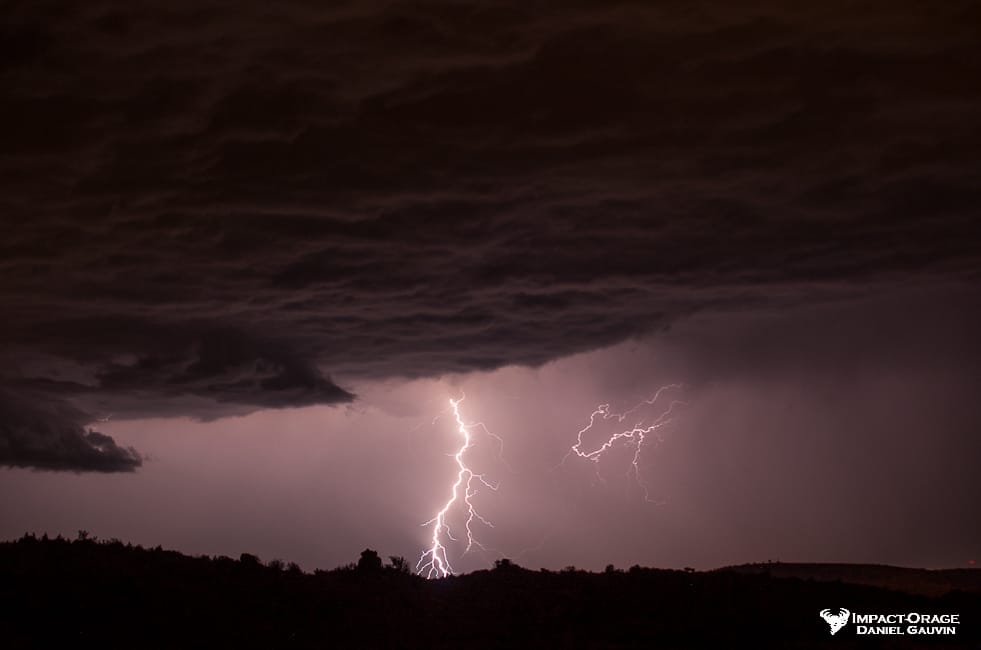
846	438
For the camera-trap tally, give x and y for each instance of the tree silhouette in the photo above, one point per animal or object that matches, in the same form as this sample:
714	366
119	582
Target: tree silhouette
369	562
399	564
249	560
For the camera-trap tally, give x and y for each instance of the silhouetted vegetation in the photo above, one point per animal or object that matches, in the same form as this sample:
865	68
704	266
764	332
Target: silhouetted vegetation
109	594
399	564
369	562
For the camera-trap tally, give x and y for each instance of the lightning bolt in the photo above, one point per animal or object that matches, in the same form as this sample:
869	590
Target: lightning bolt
434	561
635	434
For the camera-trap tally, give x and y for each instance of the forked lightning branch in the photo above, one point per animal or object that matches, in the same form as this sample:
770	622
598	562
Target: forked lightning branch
434	561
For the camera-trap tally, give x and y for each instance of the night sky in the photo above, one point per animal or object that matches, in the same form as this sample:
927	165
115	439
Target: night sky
249	252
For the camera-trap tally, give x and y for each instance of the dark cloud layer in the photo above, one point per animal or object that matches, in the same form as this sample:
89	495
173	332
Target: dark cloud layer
45	433
219	204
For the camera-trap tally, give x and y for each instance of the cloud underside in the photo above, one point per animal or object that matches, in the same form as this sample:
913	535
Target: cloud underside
208	209
45	433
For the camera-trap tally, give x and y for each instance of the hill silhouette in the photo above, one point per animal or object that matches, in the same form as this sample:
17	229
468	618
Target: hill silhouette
927	582
93	593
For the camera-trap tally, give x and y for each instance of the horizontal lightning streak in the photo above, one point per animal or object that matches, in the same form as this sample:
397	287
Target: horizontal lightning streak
636	434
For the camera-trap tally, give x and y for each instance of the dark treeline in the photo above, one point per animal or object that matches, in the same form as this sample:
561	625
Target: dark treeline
91	593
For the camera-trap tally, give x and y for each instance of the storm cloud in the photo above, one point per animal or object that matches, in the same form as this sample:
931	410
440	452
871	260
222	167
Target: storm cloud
211	208
43	433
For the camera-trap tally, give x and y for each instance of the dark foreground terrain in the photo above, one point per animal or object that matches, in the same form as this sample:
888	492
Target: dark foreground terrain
86	593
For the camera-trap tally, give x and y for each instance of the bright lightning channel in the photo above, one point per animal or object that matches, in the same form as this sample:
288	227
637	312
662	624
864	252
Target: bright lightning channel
635	434
434	561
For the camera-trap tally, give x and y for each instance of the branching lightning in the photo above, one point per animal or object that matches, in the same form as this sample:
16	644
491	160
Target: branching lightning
434	561
635	434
